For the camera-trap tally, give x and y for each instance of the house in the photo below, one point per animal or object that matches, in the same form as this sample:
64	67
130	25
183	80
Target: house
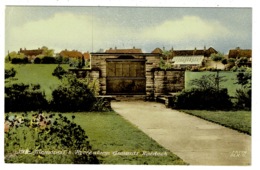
31	54
195	52
240	54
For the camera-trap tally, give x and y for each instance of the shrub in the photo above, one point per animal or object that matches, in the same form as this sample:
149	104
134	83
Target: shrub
48	60
10	73
24	97
243	95
207	99
73	95
46	139
23	60
59	72
37	60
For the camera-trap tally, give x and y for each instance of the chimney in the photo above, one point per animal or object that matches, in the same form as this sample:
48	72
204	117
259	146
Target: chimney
115	48
133	47
205	48
163	48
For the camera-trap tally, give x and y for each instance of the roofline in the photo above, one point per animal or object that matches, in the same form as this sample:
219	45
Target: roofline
142	54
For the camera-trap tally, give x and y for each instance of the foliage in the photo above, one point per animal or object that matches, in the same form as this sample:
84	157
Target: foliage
207	99
10	73
24	97
77	62
216	56
101	105
243	94
20	60
48	60
14	55
72	95
164	65
47	52
45	139
208	82
244	98
37	60
242	61
205	94
59	72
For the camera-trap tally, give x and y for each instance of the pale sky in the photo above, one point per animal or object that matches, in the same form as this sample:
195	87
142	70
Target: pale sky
93	28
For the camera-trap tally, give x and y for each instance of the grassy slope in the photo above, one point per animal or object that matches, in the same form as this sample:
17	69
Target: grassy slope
229	75
238	120
37	74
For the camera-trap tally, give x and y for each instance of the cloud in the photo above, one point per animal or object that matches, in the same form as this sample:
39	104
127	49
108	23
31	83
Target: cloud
187	27
84	32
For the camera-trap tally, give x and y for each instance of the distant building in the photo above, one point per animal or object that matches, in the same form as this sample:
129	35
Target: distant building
241	53
195	52
31	54
186	61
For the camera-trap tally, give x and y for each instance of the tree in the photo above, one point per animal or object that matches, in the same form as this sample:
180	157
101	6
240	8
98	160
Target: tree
244	93
216	57
47	52
59	72
208	82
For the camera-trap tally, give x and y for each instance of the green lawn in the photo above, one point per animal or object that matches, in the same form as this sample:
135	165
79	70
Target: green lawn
110	134
230	76
37	74
238	120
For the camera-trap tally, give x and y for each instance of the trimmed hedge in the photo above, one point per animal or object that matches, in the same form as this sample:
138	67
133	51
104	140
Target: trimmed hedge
203	99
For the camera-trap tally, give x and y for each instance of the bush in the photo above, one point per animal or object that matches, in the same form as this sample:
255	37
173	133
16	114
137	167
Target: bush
203	99
46	139
24	97
59	72
23	60
10	73
73	95
48	60
243	97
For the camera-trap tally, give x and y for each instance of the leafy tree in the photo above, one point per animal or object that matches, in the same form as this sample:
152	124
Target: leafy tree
208	82
217	57
244	93
59	72
47	52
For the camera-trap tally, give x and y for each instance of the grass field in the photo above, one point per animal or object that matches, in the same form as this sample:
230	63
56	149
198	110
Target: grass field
237	120
228	75
37	74
110	133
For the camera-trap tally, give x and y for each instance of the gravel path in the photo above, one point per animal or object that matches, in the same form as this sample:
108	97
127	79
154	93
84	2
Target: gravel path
196	141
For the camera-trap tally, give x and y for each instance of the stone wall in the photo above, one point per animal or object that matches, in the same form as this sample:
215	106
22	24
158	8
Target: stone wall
168	81
158	82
